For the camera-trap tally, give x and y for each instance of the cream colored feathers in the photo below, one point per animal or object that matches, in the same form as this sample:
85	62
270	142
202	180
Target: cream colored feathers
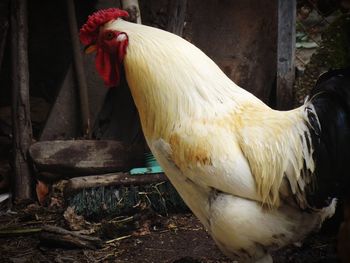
241	167
181	86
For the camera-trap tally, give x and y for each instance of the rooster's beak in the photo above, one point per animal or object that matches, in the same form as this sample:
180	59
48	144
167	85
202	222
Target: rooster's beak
90	48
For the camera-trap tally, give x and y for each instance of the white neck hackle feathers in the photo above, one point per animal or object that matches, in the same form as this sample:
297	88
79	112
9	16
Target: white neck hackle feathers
170	76
172	81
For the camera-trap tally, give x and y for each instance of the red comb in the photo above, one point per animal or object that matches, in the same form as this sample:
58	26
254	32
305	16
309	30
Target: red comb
89	31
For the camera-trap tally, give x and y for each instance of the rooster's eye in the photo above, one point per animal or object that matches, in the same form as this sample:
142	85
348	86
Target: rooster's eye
109	35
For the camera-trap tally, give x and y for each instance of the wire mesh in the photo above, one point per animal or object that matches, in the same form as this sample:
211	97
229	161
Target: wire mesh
313	17
321	41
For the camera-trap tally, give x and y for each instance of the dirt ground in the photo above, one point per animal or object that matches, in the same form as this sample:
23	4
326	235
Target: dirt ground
141	237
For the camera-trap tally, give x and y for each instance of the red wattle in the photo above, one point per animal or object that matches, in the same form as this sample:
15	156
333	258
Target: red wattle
108	67
109	60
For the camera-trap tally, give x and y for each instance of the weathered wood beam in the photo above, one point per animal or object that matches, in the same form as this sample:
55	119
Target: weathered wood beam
63	120
113	179
22	127
285	53
57	236
83	157
176	12
4	26
79	70
240	36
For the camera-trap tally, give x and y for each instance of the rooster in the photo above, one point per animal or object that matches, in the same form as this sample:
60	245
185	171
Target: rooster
257	179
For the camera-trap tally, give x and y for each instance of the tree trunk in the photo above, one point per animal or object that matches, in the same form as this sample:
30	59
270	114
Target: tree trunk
22	127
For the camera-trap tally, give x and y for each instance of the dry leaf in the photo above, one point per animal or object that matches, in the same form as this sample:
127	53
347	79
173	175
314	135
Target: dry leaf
75	222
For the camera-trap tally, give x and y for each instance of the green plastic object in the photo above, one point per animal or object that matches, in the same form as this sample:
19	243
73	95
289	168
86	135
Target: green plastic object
152	166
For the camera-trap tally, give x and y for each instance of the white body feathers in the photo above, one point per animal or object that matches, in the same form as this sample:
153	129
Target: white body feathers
236	162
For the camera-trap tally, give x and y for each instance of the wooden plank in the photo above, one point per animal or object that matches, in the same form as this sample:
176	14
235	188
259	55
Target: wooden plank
79	70
104	4
63	119
118	119
176	12
22	127
285	53
113	179
241	37
4	26
83	157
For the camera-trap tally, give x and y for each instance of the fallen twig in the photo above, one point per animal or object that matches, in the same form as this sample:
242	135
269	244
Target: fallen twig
19	231
118	239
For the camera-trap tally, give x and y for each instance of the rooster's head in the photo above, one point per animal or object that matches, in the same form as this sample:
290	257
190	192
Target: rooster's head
110	45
